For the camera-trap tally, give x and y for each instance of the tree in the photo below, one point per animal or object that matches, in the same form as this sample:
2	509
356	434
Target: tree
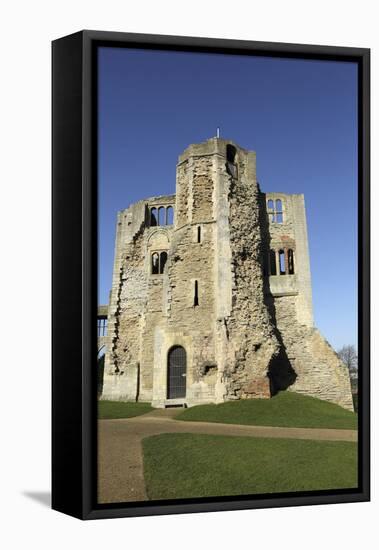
348	355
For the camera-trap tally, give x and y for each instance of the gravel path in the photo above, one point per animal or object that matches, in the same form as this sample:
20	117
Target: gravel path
120	471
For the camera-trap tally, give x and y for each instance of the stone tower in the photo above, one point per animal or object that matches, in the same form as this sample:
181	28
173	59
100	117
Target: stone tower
211	293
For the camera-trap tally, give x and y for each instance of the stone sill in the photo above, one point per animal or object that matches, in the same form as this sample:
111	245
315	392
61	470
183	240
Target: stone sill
283	285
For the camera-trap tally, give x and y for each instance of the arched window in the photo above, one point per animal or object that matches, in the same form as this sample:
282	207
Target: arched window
275	210
196	294
161	215
169	215
282	263
279	211
272	262
155	263
199	234
153	217
158	262
291	266
162	261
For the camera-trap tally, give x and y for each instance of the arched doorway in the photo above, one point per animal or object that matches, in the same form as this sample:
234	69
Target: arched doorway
176	373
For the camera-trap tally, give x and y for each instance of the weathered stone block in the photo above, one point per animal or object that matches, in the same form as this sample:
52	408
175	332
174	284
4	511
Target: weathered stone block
260	387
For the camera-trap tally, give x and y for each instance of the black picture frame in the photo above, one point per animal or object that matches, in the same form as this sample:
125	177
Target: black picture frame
74	204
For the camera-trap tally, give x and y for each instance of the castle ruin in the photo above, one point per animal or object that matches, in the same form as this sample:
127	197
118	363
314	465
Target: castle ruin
211	295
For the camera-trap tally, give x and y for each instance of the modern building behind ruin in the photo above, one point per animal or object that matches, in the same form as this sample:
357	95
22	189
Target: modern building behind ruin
211	294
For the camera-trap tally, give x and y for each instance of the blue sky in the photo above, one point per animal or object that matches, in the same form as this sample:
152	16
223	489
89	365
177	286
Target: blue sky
300	117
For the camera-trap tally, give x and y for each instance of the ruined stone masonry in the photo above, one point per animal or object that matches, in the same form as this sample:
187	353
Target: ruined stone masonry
211	293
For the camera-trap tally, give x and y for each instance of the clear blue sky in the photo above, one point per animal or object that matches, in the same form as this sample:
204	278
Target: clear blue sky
299	116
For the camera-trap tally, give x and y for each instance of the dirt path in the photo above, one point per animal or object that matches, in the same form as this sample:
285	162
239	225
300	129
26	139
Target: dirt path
120	450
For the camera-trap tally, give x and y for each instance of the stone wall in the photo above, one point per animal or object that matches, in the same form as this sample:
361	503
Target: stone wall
248	327
319	371
189	320
306	362
135	303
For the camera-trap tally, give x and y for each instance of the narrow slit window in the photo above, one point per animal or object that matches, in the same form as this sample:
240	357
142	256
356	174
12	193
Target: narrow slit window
272	262
161	215
153	217
196	294
169	215
291	266
199	234
155	263
162	262
282	262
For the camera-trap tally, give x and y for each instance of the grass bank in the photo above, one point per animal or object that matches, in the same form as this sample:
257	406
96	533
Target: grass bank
119	409
188	465
287	409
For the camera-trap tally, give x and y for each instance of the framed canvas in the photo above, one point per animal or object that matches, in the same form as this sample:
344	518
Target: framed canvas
210	275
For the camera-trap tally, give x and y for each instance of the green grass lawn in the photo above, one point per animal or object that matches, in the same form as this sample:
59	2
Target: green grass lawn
119	409
188	465
285	409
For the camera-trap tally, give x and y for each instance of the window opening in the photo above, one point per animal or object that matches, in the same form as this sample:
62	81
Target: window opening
291	267
155	263
272	262
102	325
153	217
161	215
196	294
275	210
169	215
163	260
231	165
279	211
